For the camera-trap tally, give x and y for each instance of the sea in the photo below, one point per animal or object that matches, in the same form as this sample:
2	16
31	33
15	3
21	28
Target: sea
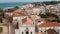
13	4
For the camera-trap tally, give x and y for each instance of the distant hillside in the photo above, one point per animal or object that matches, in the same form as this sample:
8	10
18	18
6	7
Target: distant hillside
51	2
47	2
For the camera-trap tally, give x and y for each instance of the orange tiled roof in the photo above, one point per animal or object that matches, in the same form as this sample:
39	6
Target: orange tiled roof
26	20
19	14
49	24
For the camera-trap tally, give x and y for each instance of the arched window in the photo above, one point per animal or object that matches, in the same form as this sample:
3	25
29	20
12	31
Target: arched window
41	31
22	32
27	32
31	32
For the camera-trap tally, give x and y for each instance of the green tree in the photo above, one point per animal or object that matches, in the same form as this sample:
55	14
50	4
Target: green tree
16	7
43	15
47	14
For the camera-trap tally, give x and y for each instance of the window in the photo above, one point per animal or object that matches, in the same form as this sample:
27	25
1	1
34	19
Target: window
39	21
41	31
33	23
31	32
1	29
27	32
22	32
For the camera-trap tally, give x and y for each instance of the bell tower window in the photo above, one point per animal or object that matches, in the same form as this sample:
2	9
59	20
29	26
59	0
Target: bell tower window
31	32
27	32
22	32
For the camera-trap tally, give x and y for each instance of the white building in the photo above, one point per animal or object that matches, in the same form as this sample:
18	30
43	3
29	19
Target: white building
51	8
40	9
58	10
55	0
25	24
49	25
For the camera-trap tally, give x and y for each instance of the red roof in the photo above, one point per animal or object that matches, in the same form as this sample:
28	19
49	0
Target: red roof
26	20
19	13
49	24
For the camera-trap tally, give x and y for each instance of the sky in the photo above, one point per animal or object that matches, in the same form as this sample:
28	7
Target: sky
6	1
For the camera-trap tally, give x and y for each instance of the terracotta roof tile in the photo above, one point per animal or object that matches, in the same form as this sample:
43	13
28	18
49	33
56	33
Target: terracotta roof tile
26	20
49	24
19	14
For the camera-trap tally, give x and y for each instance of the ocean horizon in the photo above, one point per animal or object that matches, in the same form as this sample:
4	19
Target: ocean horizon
13	4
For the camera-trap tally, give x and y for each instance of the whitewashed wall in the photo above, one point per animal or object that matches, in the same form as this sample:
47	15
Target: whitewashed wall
11	29
16	31
45	28
57	29
22	29
32	29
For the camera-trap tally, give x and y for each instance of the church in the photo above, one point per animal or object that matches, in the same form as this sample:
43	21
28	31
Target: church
31	24
23	24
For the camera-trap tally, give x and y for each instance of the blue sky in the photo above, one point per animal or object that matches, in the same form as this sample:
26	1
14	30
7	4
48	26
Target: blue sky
5	1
